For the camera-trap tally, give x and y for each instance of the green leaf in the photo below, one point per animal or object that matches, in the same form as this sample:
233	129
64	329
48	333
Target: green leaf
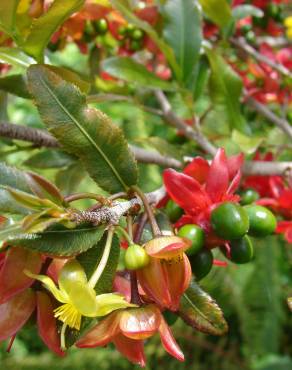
7	15
85	132
42	28
201	312
245	10
72	77
247	144
124	8
15	84
59	241
50	158
90	260
225	91
15	57
9	205
182	31
129	70
70	178
218	11
16	179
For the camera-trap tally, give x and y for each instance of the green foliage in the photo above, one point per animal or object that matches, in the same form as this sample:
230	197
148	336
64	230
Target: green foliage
131	71
43	27
182	18
201	312
87	133
59	241
8	16
218	11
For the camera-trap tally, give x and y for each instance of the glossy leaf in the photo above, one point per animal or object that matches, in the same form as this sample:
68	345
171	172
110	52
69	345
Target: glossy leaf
15	84
123	6
85	132
182	31
59	241
225	91
218	11
90	260
129	70
201	312
42	28
8	15
12	278
15	313
15	57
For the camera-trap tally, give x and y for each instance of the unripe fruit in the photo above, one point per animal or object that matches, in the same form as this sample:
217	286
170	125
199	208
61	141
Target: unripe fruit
101	26
135	45
241	250
137	34
173	211
261	220
230	221
195	234
201	263
136	257
248	196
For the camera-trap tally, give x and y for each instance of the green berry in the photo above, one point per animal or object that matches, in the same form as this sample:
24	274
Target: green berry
248	196
173	211
229	221
101	26
262	221
195	234
137	34
201	263
241	250
136	257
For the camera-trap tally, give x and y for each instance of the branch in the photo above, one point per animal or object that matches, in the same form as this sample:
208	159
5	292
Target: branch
113	214
269	115
243	45
43	139
177	122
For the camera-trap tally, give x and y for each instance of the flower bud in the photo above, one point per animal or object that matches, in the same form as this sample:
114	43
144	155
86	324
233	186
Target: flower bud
136	257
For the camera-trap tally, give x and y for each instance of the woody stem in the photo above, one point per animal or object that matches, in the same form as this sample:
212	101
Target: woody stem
154	226
103	262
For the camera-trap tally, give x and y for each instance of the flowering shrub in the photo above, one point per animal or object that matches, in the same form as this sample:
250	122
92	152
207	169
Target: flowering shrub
211	82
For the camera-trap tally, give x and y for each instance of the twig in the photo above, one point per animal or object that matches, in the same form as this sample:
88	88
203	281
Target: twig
113	214
243	45
269	115
44	139
177	122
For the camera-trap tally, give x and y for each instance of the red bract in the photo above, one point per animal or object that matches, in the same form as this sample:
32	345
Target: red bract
127	329
18	300
203	186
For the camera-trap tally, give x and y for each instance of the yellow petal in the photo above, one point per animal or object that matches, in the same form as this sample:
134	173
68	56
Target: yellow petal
288	22
50	285
82	297
107	303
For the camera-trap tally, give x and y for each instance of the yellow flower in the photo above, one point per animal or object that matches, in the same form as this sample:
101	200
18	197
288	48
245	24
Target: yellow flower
78	297
288	25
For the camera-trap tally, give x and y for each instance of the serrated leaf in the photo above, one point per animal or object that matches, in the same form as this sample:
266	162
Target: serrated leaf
9	205
7	15
182	31
59	241
201	312
15	84
225	91
15	57
90	260
129	70
42	28
14	178
245	10
218	11
49	158
85	132
124	8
